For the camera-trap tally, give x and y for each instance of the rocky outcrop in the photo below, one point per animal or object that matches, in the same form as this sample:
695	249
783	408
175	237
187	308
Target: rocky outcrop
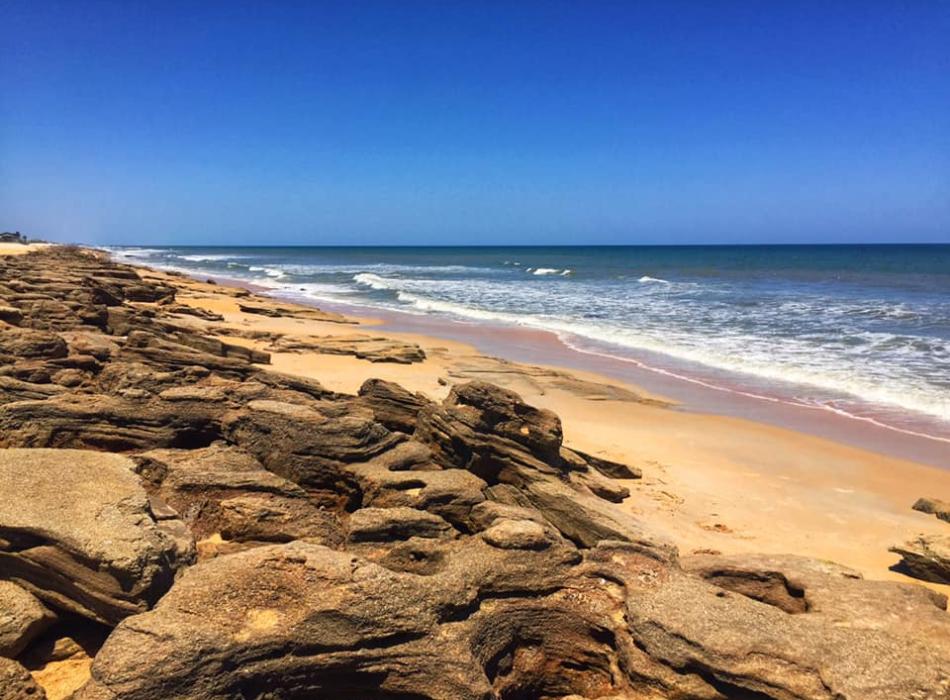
934	506
224	490
104	422
275	310
392	405
726	621
310	444
516	449
375	546
926	557
363	347
81	536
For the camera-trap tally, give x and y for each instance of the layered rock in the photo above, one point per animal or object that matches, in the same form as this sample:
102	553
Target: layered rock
80	536
423	549
363	347
926	557
224	490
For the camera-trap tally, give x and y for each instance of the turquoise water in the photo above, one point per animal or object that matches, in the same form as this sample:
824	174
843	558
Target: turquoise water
863	330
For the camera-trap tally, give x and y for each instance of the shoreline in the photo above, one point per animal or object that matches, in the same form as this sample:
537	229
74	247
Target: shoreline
714	483
284	457
548	348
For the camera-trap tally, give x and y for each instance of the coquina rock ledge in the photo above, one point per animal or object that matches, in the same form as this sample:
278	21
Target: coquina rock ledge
234	533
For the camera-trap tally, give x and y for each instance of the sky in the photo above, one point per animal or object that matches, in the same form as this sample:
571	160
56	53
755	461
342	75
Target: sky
452	122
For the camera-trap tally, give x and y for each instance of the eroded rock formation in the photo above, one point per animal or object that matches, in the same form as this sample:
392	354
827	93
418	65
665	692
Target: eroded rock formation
374	546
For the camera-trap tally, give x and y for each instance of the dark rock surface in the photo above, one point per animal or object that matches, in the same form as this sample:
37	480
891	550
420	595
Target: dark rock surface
374	546
926	557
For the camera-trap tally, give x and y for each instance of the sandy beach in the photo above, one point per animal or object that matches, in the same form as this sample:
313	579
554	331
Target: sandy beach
714	483
198	460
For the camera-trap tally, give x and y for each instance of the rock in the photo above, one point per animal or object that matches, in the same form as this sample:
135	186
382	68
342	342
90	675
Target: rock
516	534
855	639
926	557
309	446
356	628
392	405
11	315
497	420
398	523
69	378
21	343
934	506
82	537
583	518
98	345
279	311
16	682
390	480
272	518
602	487
364	347
169	356
15	390
186	310
149	293
609	468
223	489
516	449
22	618
108	423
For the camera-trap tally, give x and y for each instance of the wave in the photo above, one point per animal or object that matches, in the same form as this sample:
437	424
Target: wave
272	272
208	258
646	279
135	252
767	366
373	281
550	271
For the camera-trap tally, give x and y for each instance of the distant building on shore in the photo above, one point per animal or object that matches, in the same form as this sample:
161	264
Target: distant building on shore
14	237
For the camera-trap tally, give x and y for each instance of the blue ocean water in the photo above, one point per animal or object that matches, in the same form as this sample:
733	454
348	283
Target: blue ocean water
841	326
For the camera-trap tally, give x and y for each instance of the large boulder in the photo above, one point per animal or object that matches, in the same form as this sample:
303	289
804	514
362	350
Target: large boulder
79	533
303	621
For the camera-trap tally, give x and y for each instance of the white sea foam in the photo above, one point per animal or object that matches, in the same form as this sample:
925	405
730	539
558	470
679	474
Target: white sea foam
646	279
135	252
758	357
272	272
208	258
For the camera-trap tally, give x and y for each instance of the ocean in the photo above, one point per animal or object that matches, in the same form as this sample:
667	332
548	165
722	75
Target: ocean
859	330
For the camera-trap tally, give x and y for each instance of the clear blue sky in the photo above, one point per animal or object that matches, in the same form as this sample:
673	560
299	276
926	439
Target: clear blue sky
407	122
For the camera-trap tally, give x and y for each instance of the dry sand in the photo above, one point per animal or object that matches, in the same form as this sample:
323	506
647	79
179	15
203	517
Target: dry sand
712	482
20	248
